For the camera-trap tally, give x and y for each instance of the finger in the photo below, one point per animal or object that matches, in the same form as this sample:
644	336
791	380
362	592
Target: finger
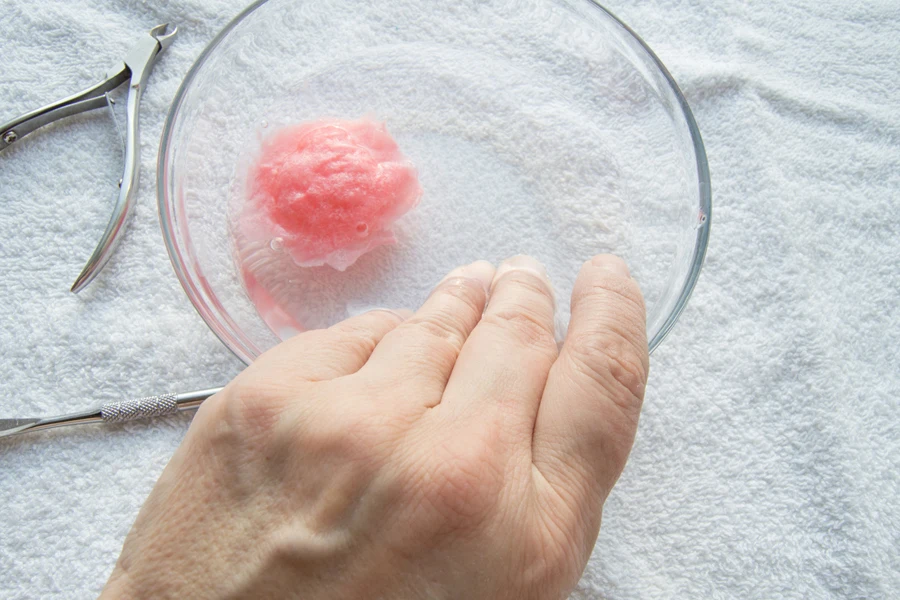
589	412
340	350
423	350
505	362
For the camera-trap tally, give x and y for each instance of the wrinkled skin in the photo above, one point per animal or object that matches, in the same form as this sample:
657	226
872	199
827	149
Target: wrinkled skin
457	452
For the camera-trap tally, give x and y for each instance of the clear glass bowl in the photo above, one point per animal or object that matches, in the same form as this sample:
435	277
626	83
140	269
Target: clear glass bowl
541	127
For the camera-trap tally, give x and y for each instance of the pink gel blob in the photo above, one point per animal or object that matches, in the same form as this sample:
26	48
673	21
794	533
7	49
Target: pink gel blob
329	191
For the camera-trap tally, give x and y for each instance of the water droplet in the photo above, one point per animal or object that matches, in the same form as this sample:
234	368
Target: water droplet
264	123
276	244
362	229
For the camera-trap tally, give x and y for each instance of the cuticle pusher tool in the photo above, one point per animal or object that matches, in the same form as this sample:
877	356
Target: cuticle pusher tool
112	412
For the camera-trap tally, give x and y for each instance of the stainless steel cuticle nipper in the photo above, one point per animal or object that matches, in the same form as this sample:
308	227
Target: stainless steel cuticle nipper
134	69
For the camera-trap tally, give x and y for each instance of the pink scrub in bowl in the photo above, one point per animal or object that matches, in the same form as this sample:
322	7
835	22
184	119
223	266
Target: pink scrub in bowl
323	193
539	127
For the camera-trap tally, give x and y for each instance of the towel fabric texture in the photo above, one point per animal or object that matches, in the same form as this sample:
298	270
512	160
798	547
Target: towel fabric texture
767	464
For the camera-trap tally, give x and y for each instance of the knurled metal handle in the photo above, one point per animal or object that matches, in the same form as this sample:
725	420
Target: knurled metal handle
142	408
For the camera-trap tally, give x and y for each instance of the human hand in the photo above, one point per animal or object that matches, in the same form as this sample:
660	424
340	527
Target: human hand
456	453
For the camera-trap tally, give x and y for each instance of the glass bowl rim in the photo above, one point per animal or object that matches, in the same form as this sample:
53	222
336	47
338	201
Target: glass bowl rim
245	349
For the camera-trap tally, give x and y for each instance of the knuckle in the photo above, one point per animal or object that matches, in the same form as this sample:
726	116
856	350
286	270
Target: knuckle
251	410
614	362
461	293
460	484
528	286
363	328
341	348
525	327
419	370
352	436
370	434
458	492
526	280
443	327
621	290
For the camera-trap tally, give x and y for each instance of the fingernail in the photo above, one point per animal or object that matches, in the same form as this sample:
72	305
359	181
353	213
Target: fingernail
522	263
481	271
611	263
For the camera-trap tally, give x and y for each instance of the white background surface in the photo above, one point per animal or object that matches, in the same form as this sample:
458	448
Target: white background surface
766	465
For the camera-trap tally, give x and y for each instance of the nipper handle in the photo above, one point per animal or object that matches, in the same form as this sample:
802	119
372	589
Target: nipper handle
138	63
124	206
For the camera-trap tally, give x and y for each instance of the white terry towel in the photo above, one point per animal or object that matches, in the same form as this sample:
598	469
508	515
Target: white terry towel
766	465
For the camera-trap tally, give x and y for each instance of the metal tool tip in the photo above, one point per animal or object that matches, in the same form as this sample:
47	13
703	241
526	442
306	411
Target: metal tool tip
100	256
82	282
10	427
164	34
